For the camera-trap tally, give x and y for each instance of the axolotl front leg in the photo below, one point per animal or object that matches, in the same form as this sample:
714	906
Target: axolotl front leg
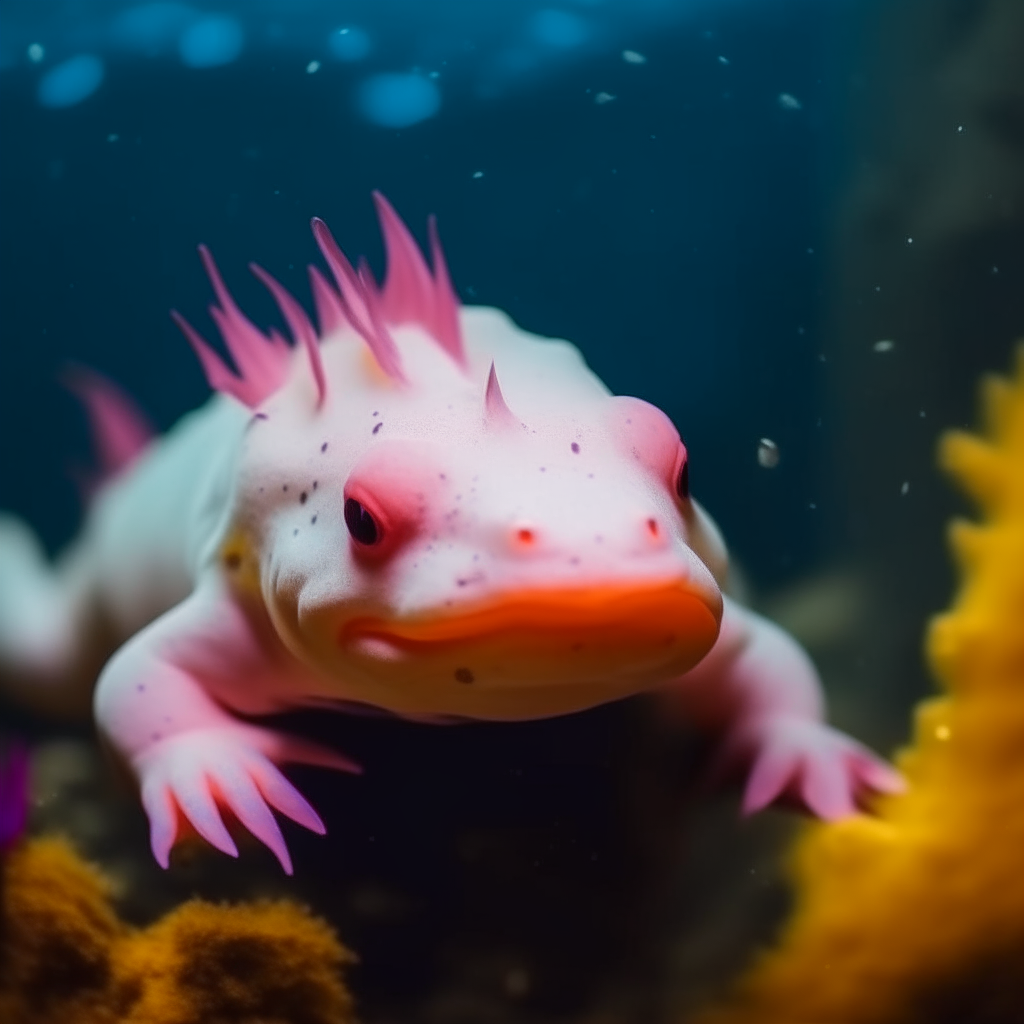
163	703
760	690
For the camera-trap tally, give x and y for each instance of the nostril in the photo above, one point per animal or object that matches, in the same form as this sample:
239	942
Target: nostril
525	537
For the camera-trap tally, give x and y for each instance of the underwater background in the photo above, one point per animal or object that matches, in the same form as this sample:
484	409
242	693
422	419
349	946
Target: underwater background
795	225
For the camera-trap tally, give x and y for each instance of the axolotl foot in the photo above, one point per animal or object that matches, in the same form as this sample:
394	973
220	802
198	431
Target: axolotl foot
196	774
806	762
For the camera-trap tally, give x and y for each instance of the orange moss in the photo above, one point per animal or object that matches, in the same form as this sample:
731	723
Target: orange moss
56	933
65	957
266	962
918	914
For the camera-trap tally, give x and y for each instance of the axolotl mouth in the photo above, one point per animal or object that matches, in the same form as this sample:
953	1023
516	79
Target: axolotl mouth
613	639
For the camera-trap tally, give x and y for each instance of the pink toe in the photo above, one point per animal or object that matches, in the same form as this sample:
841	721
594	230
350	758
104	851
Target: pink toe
198	805
769	777
300	751
163	821
282	795
880	776
825	787
239	792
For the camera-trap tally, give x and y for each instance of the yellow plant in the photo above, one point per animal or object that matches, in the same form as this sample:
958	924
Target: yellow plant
65	957
917	915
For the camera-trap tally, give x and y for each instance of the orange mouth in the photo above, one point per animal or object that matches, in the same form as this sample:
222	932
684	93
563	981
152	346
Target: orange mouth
672	614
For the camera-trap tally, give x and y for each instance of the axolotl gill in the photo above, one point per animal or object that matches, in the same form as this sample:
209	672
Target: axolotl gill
419	508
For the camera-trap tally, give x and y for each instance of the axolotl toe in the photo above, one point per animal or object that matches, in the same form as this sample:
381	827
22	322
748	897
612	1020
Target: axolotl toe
417	507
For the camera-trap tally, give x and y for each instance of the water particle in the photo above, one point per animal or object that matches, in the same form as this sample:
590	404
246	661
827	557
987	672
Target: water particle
71	82
885	345
349	44
905	488
768	453
632	57
723	60
35	52
478	174
398	100
603	97
788	101
312	67
559	30
211	42
113	137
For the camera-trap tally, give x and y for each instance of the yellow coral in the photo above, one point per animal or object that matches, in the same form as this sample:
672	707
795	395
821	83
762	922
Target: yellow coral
65	957
918	914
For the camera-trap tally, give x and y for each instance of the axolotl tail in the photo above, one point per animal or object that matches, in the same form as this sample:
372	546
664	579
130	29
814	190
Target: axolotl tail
46	618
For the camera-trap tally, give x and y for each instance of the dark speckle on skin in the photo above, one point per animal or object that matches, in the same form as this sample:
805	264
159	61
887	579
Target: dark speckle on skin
313	521
590	476
543	469
574	560
303	498
284	487
233	560
141	687
575	448
314	485
463	675
441	476
323	447
375	413
377	427
154	736
295	533
261	416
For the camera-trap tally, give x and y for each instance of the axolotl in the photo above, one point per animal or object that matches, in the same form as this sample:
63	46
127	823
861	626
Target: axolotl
418	508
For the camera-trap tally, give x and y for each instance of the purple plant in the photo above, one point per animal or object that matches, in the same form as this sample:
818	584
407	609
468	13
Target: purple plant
13	792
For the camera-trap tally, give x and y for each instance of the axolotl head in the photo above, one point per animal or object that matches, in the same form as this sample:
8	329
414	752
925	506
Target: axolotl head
436	543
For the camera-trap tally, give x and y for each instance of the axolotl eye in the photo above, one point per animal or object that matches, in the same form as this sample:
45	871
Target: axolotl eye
360	523
682	473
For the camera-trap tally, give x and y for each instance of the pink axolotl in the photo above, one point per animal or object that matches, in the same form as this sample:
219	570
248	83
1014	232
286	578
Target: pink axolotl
369	517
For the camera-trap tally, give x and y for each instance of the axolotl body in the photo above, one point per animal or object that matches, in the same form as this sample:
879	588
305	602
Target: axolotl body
422	509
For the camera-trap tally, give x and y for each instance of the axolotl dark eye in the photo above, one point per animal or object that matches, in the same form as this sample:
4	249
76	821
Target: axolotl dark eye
360	523
683	475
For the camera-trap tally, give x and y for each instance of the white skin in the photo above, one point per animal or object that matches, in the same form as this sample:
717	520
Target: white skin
531	558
